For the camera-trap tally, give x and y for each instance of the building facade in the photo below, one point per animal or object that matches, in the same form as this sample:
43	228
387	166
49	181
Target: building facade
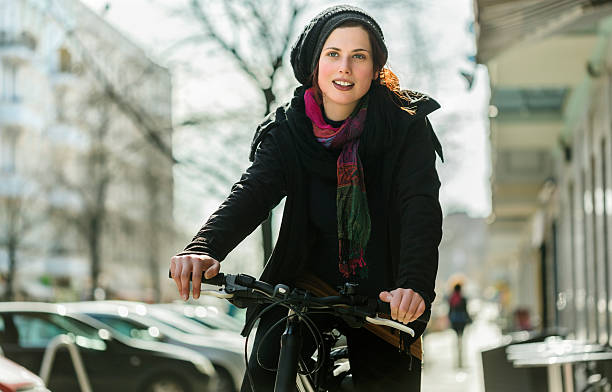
551	135
86	180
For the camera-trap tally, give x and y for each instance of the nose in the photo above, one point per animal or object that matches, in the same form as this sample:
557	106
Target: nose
345	65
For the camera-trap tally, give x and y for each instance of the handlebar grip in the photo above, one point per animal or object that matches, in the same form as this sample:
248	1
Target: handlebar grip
385	307
217	280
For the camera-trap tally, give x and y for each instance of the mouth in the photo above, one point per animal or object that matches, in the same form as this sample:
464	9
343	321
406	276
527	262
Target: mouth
343	85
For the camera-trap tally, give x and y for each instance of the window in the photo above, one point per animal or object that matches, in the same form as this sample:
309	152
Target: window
578	309
8	150
34	331
128	328
9	82
590	266
605	207
38	329
65	60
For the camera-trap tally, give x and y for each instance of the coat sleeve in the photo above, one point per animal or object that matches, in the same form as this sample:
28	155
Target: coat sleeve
420	212
260	189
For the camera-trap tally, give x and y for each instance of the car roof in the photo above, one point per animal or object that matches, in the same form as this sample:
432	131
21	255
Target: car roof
23	306
105	306
46	307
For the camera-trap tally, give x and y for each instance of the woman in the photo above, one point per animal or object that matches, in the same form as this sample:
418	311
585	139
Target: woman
355	158
459	318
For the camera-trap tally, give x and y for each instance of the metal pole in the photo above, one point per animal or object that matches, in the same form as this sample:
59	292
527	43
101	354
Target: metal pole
555	382
568	375
75	355
303	384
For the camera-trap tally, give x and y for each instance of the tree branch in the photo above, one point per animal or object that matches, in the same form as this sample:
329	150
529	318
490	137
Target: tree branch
196	7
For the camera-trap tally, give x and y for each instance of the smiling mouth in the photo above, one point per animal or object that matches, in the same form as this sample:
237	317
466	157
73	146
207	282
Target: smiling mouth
342	83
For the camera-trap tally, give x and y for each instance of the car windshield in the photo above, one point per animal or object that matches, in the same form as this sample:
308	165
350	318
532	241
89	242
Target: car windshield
128	327
38	329
216	322
178	322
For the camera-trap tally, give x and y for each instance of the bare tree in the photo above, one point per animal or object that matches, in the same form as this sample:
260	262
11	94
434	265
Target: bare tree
90	184
18	216
255	36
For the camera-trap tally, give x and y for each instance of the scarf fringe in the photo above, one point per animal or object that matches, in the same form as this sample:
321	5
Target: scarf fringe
352	262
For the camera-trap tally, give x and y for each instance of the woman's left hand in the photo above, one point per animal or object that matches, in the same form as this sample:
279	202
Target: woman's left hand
406	304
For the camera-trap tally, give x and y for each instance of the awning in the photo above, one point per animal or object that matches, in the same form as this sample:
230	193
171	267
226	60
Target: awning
501	24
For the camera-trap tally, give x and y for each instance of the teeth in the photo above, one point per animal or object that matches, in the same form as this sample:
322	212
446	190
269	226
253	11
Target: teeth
342	83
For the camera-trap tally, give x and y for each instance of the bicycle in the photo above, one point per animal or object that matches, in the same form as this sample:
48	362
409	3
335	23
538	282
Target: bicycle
244	290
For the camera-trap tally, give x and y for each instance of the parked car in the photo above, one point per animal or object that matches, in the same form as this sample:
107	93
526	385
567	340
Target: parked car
112	361
225	349
16	378
208	316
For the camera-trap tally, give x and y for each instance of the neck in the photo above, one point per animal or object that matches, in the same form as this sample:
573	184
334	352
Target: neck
336	112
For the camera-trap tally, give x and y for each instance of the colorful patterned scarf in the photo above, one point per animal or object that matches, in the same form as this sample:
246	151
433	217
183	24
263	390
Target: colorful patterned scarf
351	201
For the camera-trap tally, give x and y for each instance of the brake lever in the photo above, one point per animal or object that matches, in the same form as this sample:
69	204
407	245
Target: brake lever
221	293
232	287
390	323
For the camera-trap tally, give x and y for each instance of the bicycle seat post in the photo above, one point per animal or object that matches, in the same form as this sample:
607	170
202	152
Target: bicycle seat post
291	342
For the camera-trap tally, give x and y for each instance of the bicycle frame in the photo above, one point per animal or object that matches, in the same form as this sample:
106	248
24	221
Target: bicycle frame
287	377
291	346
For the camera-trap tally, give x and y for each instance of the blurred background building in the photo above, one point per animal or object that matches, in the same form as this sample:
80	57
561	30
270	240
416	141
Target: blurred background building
550	240
86	202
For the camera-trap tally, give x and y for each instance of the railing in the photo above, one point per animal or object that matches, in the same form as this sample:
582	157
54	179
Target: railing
559	356
47	362
23	38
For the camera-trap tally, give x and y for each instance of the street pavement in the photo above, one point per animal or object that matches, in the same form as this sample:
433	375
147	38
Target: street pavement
440	372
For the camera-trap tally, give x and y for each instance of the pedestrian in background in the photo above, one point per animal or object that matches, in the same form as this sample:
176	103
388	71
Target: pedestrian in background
459	318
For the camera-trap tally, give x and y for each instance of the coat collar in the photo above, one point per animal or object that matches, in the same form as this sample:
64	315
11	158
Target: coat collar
415	105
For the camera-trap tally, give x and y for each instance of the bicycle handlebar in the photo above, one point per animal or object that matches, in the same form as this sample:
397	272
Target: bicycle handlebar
247	288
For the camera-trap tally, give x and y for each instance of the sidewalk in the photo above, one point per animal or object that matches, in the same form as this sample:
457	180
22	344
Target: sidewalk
439	366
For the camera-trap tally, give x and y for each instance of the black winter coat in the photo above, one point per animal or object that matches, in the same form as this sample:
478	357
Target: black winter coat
410	182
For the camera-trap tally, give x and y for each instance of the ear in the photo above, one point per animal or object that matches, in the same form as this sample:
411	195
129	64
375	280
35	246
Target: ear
376	75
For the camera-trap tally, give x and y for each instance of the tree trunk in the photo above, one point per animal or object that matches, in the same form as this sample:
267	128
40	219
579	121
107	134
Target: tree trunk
266	234
266	226
154	268
9	292
94	254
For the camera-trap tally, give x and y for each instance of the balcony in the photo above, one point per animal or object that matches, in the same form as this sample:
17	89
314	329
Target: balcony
15	114
17	49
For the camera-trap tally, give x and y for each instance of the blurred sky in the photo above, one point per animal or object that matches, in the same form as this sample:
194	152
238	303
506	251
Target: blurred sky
462	122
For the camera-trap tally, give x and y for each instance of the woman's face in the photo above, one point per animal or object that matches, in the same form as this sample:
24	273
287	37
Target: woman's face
346	71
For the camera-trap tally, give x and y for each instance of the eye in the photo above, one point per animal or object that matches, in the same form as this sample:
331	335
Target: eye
360	56
332	54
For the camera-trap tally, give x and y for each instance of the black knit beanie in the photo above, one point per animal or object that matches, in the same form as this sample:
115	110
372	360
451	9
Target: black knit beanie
306	50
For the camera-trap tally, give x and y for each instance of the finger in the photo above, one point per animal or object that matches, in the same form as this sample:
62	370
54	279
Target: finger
176	275
213	270
185	275
420	310
385	296
196	277
404	308
395	303
415	300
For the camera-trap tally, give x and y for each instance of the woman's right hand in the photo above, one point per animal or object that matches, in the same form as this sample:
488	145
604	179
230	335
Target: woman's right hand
182	267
